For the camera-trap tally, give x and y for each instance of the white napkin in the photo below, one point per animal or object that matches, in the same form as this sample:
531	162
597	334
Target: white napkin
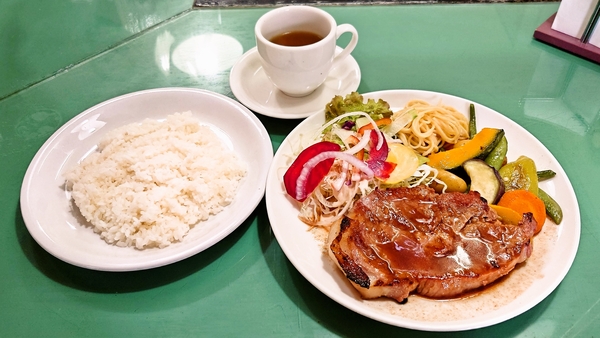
595	37
573	16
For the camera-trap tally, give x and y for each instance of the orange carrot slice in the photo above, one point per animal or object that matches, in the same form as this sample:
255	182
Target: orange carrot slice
523	201
381	122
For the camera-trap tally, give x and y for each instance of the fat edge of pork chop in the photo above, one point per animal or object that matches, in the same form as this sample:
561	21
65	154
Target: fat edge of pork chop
400	241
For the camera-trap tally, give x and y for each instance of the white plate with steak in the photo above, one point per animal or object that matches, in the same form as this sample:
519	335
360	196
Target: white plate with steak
551	253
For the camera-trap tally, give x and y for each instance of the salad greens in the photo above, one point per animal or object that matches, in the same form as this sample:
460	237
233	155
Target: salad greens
353	102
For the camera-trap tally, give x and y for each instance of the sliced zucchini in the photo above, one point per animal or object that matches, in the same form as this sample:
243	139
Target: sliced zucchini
484	179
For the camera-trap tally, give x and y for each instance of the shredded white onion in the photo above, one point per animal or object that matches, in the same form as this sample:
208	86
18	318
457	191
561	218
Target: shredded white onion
343	134
339	182
362	144
310	164
398	122
360	113
334	120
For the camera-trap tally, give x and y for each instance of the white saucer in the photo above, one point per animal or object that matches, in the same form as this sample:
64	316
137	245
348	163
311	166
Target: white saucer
251	87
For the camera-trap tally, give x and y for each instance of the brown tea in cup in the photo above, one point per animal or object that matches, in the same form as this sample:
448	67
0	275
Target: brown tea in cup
296	38
299	70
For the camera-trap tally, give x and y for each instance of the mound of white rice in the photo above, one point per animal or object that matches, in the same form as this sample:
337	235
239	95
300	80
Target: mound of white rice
149	183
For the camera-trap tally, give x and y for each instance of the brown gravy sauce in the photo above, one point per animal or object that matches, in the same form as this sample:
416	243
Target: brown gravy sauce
469	304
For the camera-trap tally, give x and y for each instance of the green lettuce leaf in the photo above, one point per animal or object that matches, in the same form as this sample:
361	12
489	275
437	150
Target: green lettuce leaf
354	102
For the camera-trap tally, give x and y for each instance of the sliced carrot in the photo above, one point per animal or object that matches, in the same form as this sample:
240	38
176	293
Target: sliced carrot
523	201
360	154
381	122
352	141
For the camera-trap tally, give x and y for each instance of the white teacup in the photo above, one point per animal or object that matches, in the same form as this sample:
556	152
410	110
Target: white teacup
299	70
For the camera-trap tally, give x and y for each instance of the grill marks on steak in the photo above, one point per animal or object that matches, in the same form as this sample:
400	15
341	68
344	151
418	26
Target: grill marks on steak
400	241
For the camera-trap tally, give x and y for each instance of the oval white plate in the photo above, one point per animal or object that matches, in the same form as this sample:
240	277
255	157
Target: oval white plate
54	222
554	249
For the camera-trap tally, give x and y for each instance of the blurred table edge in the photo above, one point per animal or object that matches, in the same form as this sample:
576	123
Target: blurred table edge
267	3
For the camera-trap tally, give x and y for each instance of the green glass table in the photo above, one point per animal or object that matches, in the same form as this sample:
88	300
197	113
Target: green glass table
244	285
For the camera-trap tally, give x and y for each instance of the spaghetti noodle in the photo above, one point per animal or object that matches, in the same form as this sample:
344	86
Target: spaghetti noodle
431	126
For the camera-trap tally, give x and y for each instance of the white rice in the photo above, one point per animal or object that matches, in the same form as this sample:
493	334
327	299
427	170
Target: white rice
150	183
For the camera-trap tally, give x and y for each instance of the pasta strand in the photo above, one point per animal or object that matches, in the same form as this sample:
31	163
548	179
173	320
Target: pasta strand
432	127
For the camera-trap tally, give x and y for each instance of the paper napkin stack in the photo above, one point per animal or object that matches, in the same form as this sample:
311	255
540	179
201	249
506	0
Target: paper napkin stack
574	28
595	37
573	16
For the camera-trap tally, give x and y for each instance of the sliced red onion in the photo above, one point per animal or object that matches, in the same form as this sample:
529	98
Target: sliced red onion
348	125
377	157
380	152
319	171
380	137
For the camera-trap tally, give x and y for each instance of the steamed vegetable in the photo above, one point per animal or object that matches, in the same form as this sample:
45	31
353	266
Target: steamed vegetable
478	147
472	121
484	179
507	215
553	209
523	201
453	183
352	149
497	156
520	174
545	174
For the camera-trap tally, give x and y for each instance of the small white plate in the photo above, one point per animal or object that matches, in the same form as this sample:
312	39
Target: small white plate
56	225
250	85
554	247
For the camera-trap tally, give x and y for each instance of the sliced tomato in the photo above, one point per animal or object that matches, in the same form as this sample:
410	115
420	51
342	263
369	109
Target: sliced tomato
315	176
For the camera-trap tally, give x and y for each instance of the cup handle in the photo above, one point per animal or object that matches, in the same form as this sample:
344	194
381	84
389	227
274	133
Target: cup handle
341	29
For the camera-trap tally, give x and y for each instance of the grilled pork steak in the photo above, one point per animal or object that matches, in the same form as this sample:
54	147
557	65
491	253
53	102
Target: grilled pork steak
400	241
